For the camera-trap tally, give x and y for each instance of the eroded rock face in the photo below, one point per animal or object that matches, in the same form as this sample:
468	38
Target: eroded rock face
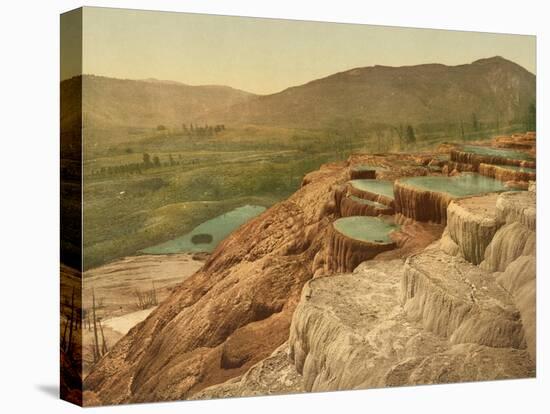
351	331
471	224
228	316
351	206
454	299
372	196
519	279
506	174
525	141
477	159
359	173
272	376
345	253
464	362
420	204
516	237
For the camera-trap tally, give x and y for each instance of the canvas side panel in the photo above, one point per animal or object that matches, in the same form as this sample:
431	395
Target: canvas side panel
71	207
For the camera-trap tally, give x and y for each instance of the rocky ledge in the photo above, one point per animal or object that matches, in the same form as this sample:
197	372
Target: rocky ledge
346	252
465	157
471	224
507	173
421	204
352	331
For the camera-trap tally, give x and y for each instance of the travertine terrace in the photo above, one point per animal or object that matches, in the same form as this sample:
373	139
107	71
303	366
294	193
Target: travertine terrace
293	301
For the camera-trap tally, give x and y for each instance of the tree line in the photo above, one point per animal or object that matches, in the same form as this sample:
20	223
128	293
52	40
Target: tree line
195	130
137	167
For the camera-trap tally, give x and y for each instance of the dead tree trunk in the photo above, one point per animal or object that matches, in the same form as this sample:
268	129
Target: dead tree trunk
96	341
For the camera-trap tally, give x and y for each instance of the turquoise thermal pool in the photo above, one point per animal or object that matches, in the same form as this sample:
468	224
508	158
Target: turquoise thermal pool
206	236
459	186
368	229
382	187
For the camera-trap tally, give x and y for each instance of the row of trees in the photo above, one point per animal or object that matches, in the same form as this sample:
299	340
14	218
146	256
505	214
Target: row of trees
137	167
202	131
195	130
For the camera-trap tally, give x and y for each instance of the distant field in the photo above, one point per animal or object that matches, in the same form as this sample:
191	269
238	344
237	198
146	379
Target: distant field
196	179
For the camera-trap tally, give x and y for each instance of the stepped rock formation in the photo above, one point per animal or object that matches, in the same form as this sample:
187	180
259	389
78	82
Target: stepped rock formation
420	204
457	300
346	253
361	172
506	174
370	195
512	256
355	206
476	159
519	279
525	141
350	331
471	224
516	237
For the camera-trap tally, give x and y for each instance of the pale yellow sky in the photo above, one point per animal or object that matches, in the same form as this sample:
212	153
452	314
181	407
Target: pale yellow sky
268	55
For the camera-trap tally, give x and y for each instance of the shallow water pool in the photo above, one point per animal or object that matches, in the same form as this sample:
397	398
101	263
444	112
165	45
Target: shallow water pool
497	152
383	187
206	236
459	186
370	229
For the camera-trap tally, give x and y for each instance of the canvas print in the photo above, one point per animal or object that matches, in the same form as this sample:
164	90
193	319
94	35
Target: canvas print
261	206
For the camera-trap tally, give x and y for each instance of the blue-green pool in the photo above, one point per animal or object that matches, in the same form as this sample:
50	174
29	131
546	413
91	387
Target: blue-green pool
463	185
497	152
383	187
217	228
370	229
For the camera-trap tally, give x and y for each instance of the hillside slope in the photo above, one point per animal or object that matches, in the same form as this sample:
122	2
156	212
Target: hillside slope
109	102
491	88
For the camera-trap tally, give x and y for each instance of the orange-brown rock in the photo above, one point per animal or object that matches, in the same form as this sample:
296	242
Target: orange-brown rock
476	159
461	167
354	206
359	172
368	195
420	204
345	253
228	316
506	174
525	141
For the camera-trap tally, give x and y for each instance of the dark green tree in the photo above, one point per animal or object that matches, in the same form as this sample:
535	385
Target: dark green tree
146	160
409	135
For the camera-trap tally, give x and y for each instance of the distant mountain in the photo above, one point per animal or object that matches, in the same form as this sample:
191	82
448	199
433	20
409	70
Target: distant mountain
114	103
491	88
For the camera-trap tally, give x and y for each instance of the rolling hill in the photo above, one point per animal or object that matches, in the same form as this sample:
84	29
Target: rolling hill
491	88
495	89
